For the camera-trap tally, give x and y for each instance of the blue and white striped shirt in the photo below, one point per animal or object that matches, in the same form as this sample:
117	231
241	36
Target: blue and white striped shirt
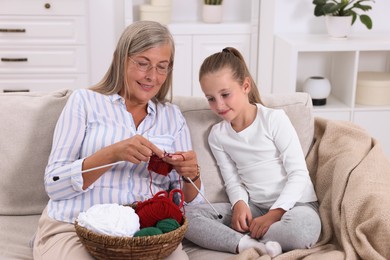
91	121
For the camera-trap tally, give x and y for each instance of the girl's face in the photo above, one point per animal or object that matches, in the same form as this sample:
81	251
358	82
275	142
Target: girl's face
145	73
227	98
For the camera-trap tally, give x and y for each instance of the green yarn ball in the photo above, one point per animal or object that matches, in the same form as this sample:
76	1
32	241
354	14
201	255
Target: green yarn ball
148	231
167	225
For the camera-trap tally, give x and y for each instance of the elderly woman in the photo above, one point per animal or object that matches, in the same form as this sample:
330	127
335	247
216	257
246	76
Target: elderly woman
124	118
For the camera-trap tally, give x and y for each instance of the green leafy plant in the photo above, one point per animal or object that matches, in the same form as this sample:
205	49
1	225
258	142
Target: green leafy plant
213	2
344	8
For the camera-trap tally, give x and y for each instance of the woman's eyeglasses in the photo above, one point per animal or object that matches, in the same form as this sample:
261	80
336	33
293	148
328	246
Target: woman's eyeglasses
144	66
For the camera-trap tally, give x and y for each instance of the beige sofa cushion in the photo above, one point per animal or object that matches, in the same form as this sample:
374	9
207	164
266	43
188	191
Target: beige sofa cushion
27	129
27	126
299	108
200	118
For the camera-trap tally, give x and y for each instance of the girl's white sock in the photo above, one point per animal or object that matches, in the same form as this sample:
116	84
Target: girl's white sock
271	248
248	242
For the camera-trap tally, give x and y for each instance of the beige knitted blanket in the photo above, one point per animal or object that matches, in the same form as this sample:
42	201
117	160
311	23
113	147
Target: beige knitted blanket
351	175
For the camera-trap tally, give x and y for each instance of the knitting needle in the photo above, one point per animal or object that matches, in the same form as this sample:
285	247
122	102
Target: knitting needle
56	178
211	205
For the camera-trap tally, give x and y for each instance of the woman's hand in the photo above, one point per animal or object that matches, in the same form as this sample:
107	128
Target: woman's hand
185	163
242	217
260	225
135	149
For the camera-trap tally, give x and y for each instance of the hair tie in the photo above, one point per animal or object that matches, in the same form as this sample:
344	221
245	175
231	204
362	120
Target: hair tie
226	50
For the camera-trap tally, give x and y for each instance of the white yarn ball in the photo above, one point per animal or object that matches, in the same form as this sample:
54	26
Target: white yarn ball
110	219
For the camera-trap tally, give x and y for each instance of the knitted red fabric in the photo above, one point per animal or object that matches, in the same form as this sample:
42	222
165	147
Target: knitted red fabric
157	165
160	207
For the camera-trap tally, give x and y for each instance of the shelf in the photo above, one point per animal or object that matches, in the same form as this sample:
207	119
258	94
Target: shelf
190	11
191	28
371	108
333	104
299	56
322	42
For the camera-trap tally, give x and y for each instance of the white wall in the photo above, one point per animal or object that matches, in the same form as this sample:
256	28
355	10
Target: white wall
106	23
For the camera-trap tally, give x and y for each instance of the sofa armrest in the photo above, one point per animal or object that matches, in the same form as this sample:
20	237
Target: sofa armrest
28	121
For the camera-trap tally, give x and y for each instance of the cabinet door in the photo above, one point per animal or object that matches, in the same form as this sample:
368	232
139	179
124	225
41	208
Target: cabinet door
205	45
43	59
377	124
54	7
35	30
182	76
42	82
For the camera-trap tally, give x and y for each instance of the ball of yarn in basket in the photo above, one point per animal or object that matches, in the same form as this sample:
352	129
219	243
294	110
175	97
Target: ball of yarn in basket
157	208
167	225
149	231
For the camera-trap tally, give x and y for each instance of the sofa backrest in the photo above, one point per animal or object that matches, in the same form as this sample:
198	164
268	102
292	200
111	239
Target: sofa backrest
26	133
27	125
199	117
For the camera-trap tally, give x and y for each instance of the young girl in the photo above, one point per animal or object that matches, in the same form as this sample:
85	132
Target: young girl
273	205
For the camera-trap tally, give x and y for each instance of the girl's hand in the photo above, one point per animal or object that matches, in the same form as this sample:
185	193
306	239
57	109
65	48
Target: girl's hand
135	149
242	217
260	225
185	163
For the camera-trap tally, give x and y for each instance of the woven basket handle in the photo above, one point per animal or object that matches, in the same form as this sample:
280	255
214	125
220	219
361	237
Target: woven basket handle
172	193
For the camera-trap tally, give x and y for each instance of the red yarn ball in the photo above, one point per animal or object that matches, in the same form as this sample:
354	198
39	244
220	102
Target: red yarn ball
158	208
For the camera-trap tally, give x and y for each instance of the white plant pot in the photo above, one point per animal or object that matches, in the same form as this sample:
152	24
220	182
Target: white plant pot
319	89
338	26
212	13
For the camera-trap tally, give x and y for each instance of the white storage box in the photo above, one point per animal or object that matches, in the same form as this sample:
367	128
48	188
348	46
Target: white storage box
161	2
158	13
373	88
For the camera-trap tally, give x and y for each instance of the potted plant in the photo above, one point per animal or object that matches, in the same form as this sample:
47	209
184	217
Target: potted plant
212	11
346	10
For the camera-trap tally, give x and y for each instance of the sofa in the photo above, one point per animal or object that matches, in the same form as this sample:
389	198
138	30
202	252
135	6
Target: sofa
350	172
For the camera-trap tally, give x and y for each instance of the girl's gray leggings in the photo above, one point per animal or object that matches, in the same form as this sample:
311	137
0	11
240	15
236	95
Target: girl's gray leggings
299	228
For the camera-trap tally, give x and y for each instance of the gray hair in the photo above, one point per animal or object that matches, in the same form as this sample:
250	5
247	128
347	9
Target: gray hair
136	38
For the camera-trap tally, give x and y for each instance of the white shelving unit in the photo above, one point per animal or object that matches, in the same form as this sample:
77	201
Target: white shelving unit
195	40
298	57
43	45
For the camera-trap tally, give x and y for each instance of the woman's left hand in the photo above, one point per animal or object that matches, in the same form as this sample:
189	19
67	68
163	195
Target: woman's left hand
185	163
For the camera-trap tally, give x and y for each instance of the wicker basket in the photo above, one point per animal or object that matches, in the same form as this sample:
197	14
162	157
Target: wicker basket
147	247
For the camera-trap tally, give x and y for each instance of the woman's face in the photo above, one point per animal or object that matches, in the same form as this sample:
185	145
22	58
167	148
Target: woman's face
145	73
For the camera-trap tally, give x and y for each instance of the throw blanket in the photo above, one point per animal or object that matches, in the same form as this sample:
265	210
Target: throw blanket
351	175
